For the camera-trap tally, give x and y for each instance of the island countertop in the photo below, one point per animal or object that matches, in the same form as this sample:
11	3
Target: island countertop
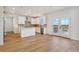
23	25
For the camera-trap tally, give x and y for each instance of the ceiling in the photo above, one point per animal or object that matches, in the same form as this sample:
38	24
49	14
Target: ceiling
32	10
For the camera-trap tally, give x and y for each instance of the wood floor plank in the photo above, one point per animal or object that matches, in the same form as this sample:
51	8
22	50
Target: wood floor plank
38	43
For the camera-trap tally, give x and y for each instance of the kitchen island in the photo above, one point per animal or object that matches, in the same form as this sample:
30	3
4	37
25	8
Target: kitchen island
26	31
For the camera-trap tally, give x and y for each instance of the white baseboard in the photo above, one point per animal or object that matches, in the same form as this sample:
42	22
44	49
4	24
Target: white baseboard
73	38
1	44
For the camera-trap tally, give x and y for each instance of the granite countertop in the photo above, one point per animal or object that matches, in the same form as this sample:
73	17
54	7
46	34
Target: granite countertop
23	25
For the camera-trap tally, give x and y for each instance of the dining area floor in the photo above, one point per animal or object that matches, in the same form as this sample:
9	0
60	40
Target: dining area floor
39	43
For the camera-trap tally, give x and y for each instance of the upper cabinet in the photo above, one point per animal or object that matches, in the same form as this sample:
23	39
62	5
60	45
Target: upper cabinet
21	19
35	20
40	20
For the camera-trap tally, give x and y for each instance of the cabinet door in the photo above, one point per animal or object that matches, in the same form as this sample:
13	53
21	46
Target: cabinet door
35	21
21	19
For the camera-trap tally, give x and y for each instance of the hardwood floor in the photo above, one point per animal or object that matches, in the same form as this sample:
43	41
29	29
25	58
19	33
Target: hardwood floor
39	43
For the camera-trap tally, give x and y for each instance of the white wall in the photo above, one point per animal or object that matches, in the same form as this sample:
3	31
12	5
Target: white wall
15	24
42	20
1	30
8	23
1	26
72	14
75	24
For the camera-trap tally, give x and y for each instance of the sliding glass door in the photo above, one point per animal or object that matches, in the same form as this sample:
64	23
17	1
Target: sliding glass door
55	26
61	27
65	27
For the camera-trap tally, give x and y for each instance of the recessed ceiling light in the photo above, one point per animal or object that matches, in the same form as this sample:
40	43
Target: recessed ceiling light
12	11
13	8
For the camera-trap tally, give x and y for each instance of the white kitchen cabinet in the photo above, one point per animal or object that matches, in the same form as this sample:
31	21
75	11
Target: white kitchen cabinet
35	21
27	31
21	19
